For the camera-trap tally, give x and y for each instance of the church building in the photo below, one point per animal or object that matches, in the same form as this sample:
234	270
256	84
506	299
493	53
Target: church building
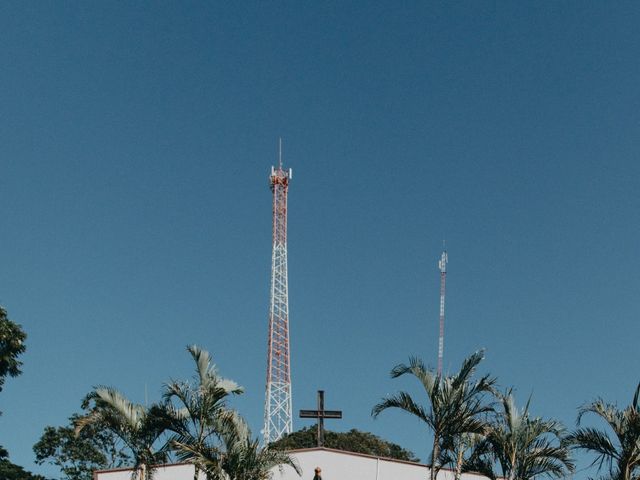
333	465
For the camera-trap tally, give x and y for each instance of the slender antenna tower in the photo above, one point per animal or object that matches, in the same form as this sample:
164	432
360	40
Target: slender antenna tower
442	264
277	407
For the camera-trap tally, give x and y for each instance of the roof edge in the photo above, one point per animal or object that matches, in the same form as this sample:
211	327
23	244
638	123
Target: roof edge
358	454
386	459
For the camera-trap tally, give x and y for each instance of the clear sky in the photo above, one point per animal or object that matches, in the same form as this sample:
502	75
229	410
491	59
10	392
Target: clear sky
135	143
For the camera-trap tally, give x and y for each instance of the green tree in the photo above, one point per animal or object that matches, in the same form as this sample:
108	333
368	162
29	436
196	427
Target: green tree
524	447
463	450
10	471
11	347
620	452
196	411
455	404
351	441
207	433
138	427
95	447
243	458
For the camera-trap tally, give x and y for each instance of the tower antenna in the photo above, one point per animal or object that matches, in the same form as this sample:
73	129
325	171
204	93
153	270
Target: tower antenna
442	265
278	407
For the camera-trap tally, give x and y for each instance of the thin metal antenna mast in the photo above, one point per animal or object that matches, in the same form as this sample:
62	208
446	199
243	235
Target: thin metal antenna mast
442	264
278	406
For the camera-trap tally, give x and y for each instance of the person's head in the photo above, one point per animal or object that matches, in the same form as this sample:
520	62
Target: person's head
318	470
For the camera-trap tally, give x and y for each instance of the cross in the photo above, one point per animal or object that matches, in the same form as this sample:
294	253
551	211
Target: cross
320	414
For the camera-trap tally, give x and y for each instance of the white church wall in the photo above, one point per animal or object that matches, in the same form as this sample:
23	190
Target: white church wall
335	465
338	465
164	472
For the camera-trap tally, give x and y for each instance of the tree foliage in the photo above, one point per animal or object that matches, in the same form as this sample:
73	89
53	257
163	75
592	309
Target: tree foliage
522	446
193	423
138	427
351	441
455	404
463	454
11	471
196	411
620	452
207	433
77	456
11	347
243	457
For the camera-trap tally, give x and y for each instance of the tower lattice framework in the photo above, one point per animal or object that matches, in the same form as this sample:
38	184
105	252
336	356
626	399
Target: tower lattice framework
442	265
278	407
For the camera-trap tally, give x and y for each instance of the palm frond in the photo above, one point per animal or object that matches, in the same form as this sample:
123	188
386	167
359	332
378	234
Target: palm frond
636	396
204	368
402	401
417	368
595	441
467	369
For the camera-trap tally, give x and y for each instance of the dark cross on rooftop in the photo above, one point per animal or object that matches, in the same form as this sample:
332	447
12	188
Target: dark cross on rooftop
320	414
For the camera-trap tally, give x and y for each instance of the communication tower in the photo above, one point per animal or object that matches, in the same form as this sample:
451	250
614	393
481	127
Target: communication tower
442	264
277	407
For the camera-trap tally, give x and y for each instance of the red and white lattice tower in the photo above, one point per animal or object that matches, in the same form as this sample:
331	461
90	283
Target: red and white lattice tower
442	264
277	407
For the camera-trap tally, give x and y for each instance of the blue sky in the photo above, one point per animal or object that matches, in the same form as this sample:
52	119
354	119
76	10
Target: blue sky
135	144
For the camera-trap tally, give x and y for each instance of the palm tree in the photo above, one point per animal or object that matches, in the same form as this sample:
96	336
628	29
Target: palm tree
620	453
463	453
524	447
456	403
137	426
239	457
209	434
201	413
244	459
